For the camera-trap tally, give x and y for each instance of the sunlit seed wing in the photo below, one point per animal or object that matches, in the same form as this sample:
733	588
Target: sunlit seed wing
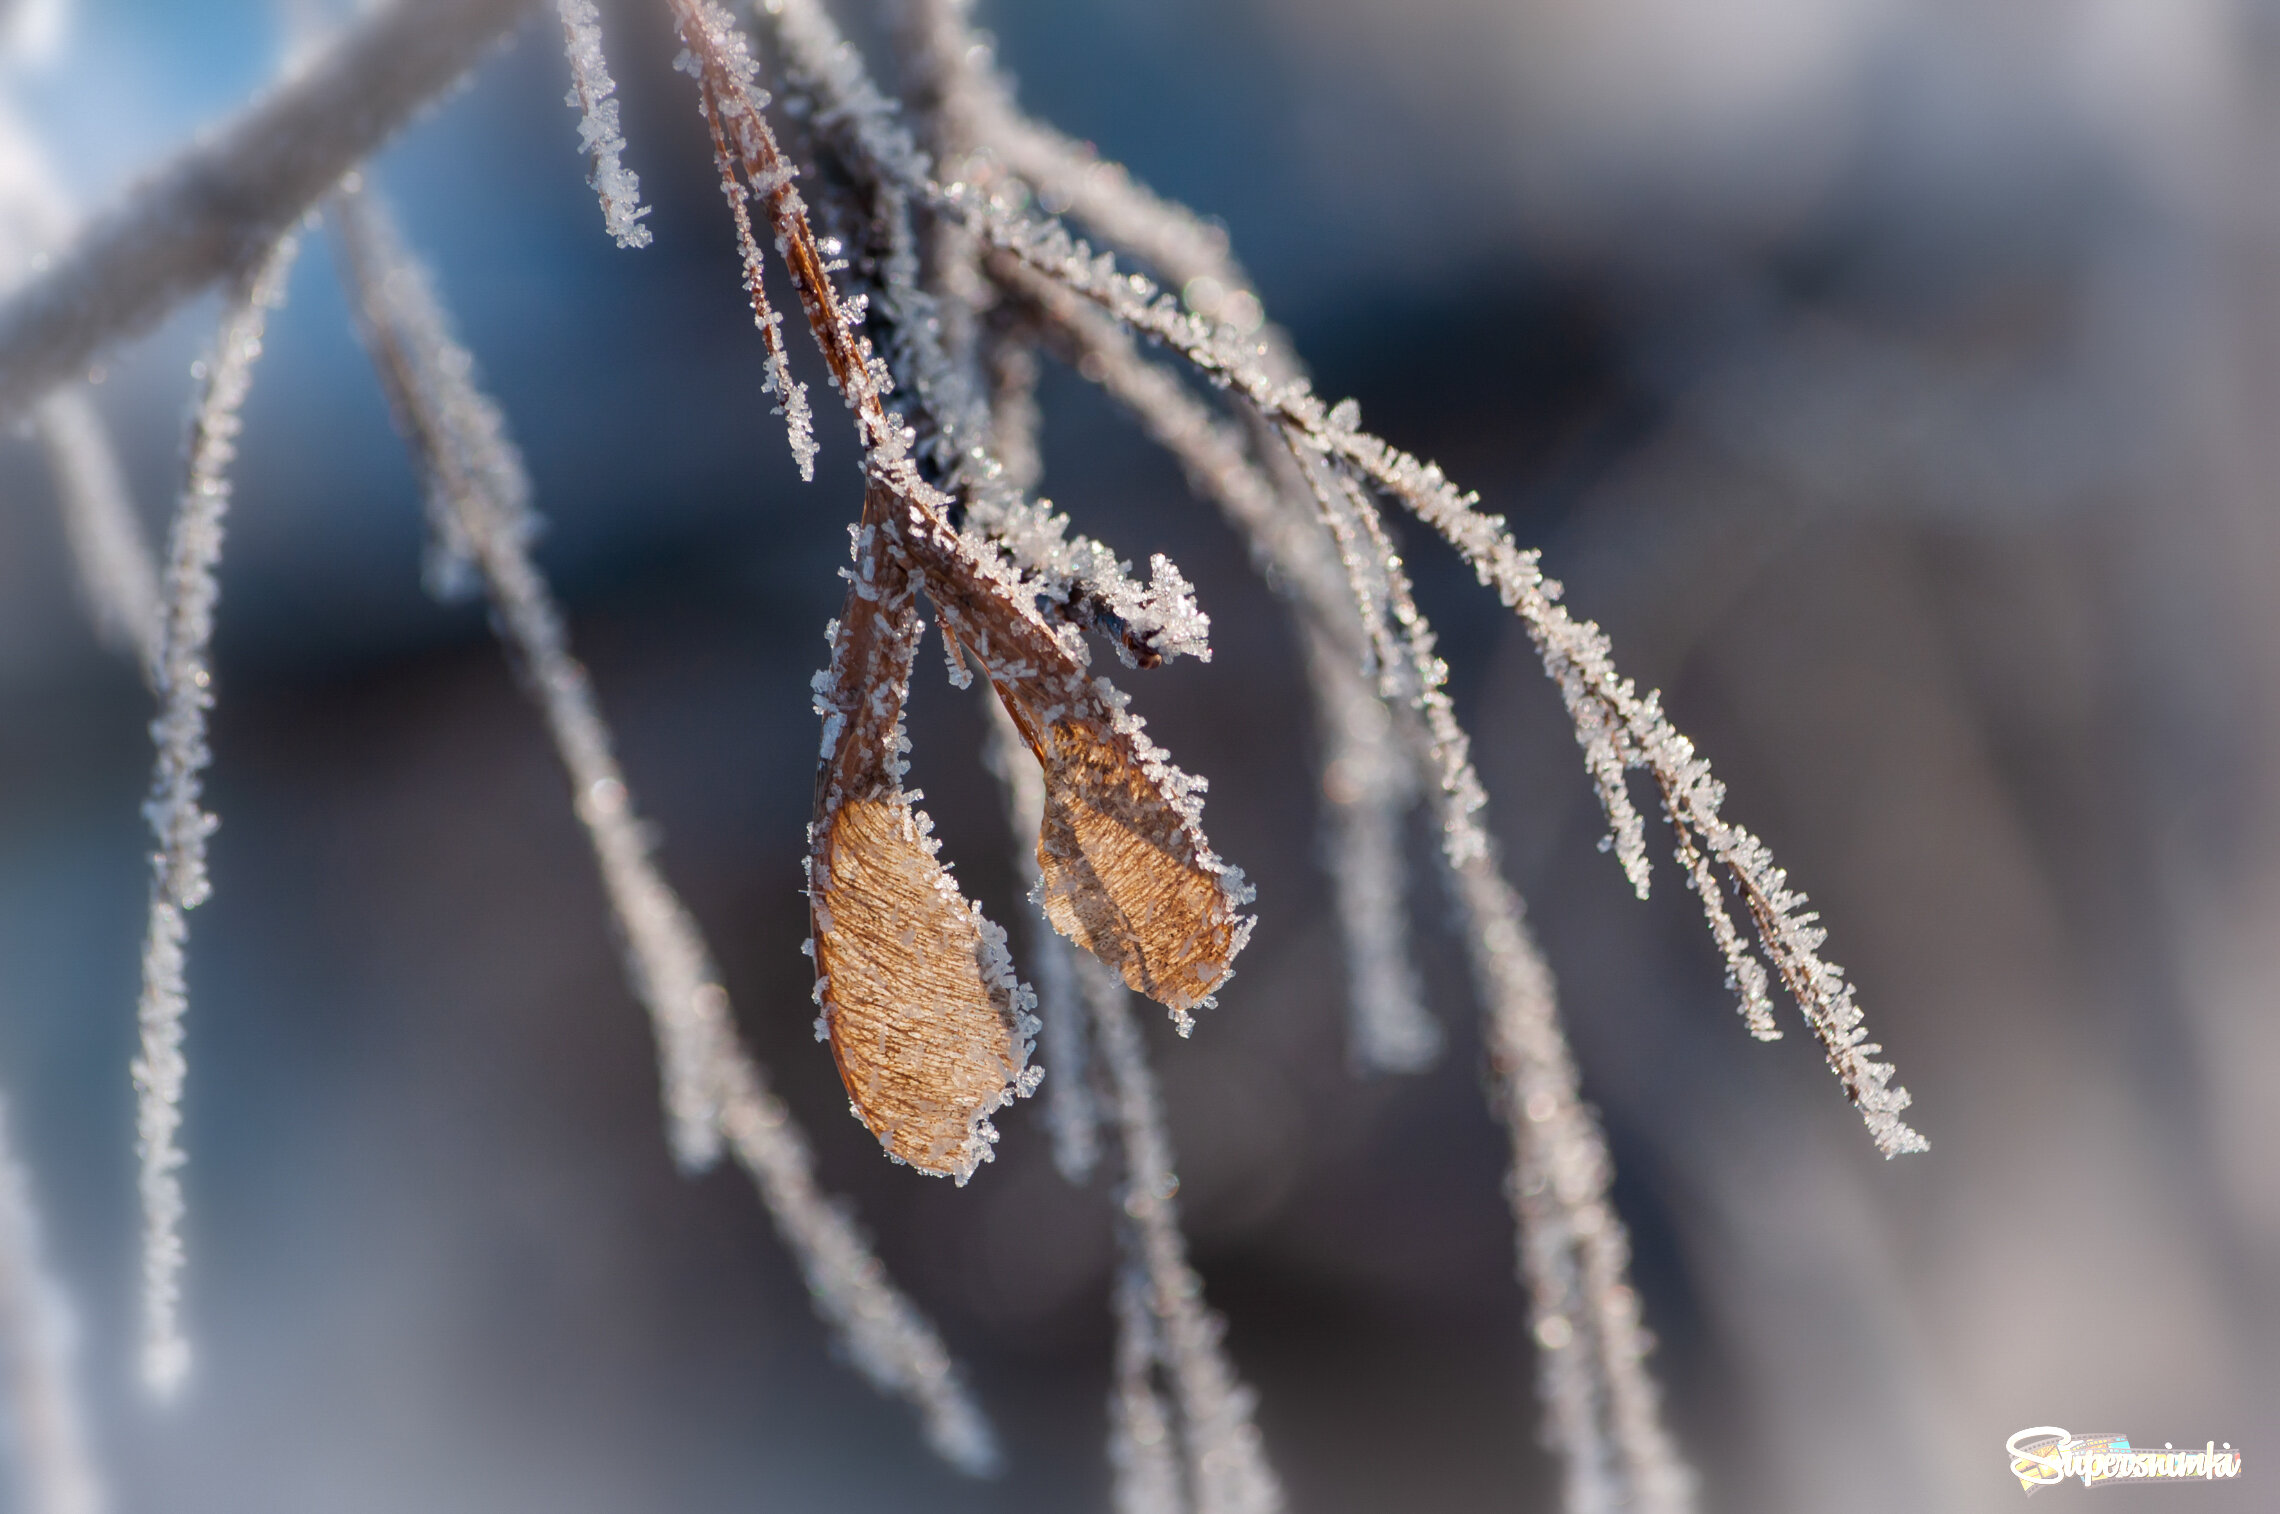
929	1028
1127	873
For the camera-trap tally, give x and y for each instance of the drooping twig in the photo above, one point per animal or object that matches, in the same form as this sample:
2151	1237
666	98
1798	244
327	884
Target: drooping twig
179	884
593	93
1368	779
1162	1320
1143	1446
478	499
212	212
55	1467
1619	728
117	579
1226	1464
1599	1399
481	525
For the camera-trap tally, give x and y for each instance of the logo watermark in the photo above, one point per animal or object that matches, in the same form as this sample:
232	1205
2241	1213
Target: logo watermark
2046	1454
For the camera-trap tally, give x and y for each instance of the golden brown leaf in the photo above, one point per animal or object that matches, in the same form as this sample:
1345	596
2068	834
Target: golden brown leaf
1127	873
921	1025
926	1021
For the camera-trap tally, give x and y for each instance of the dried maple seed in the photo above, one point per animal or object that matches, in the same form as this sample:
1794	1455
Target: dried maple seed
927	1024
921	1025
1127	873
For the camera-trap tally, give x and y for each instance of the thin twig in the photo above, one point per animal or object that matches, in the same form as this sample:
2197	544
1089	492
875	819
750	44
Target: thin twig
212	212
713	1088
55	1465
179	883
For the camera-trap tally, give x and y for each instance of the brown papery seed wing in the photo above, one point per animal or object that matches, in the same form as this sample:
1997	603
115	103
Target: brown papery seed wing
926	1022
1122	876
1127	872
923	1037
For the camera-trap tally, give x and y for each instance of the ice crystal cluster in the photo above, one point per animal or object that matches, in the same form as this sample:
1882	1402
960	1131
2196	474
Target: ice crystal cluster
930	244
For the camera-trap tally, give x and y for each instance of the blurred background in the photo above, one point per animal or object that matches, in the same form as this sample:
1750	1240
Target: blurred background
1896	380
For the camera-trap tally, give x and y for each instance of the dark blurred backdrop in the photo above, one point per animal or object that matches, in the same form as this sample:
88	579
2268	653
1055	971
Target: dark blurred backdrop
1895	379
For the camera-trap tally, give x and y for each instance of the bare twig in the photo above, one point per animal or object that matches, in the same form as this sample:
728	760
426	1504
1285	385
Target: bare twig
713	1088
212	212
179	883
54	1464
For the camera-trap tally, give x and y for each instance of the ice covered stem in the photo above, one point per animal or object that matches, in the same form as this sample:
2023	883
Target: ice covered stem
593	94
1369	779
887	1339
1355	609
54	1465
480	522
200	218
118	576
1226	1463
179	882
1143	1447
1618	728
1601	1402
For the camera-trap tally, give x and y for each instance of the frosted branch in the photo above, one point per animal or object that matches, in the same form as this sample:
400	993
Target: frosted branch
887	1339
1601	1403
1368	779
1143	1446
480	519
1619	728
1226	1464
480	522
179	885
593	95
55	1467
927	349
118	575
1356	610
212	212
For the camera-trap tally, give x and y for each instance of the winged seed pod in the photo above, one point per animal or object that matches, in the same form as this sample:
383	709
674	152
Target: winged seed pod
927	1023
1127	872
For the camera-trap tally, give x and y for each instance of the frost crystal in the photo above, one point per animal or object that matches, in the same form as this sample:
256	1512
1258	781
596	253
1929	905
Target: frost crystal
179	883
594	94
